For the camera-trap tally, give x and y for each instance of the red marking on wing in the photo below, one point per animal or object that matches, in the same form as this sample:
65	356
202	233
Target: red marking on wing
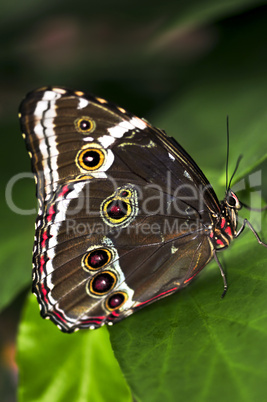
222	223
155	297
51	212
42	263
65	189
115	314
44	237
96	320
219	242
44	292
59	316
228	230
191	277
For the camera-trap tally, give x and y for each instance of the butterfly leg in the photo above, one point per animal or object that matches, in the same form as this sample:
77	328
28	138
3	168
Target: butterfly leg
225	286
247	223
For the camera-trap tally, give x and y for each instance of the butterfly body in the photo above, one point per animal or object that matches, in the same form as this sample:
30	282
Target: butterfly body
125	215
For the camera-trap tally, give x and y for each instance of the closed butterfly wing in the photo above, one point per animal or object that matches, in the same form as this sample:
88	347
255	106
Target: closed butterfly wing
125	214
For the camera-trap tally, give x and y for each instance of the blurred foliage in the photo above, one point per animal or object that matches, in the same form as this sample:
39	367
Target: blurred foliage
80	367
183	65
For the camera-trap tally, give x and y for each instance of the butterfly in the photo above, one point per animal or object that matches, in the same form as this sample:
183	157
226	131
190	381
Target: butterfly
125	217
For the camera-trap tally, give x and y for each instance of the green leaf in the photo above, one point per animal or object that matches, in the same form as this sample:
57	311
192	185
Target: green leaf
55	366
197	347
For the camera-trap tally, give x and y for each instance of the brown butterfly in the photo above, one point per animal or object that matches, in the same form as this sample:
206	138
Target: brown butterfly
126	217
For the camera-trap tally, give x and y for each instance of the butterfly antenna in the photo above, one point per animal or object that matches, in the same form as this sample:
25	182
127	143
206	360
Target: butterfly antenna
228	186
227	151
236	167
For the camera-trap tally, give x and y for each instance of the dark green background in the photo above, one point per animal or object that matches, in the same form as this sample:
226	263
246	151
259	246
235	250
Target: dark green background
183	65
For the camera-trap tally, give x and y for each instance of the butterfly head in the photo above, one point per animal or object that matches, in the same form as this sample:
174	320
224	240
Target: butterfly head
231	201
230	207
